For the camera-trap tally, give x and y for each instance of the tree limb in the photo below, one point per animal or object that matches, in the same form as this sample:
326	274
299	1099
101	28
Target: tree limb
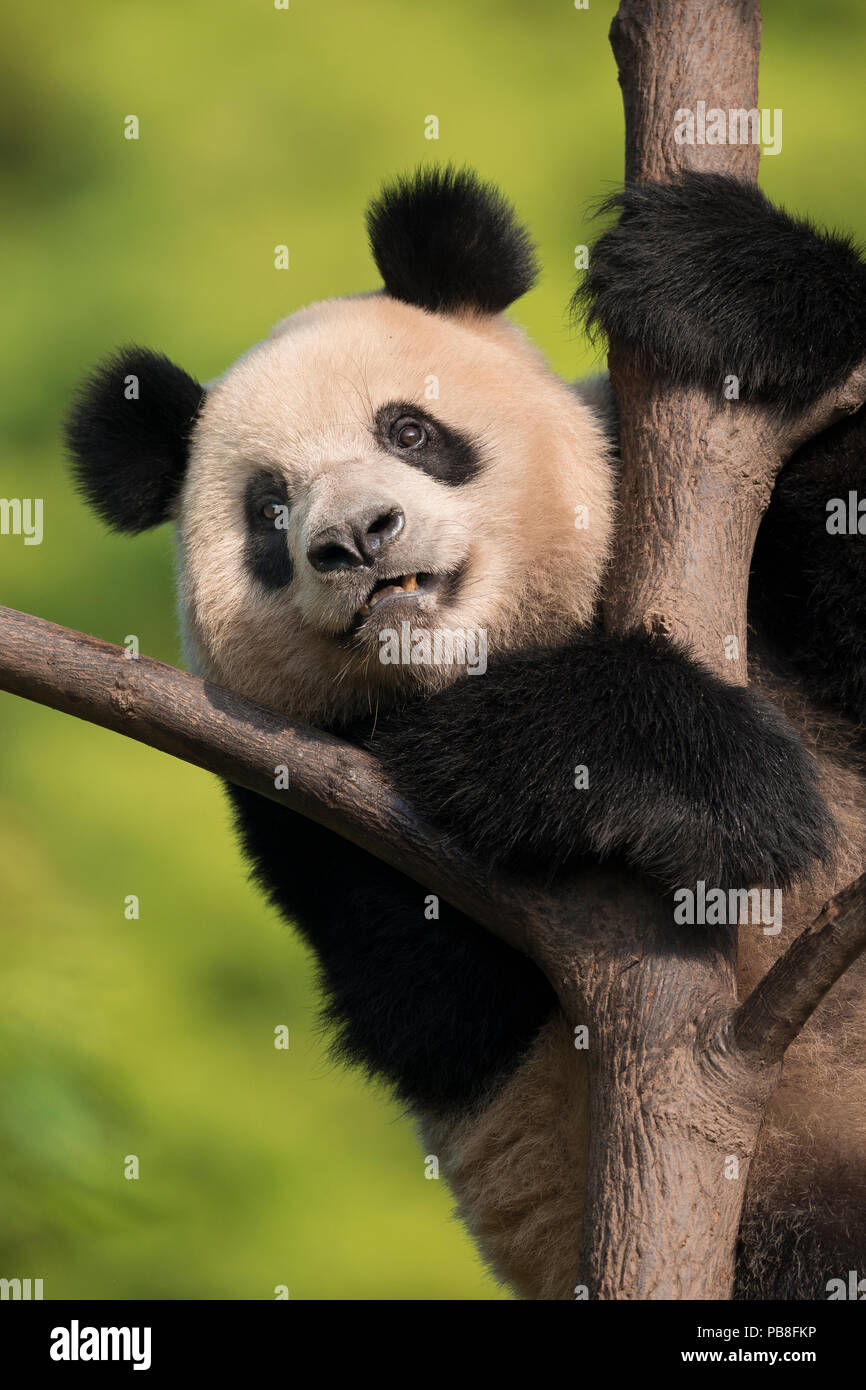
330	781
768	1021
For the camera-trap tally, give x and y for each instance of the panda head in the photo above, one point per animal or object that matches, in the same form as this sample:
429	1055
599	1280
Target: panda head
398	457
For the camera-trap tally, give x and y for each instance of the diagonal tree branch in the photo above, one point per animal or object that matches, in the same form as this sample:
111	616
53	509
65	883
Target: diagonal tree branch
766	1023
330	781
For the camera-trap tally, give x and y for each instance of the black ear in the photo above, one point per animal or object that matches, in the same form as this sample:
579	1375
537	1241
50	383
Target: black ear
128	436
446	241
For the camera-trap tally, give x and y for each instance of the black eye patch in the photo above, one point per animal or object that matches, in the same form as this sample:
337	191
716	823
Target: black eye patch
416	437
266	508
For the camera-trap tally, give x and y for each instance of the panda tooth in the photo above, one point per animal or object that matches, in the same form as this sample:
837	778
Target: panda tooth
382	593
408	585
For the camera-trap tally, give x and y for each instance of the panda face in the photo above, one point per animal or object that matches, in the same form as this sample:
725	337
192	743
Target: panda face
396	463
372	465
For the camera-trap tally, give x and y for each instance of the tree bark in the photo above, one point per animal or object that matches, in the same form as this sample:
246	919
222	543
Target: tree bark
671	54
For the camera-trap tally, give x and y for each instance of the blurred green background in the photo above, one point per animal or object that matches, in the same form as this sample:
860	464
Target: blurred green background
154	1036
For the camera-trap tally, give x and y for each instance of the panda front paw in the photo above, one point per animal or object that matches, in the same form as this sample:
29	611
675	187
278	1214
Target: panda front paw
614	745
756	826
704	277
708	781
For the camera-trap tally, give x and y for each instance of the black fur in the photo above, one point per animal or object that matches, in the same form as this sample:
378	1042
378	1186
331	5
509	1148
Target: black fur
793	1253
446	241
706	278
129	457
808	586
440	1009
446	454
266	552
690	777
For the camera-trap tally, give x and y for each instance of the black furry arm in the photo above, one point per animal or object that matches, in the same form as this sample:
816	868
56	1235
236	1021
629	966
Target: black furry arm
686	776
707	280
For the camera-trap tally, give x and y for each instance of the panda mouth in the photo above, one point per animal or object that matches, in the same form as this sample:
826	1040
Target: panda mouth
400	586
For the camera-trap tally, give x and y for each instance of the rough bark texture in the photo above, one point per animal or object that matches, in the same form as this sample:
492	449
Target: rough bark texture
669	1105
679	1075
660	1220
696	479
671	54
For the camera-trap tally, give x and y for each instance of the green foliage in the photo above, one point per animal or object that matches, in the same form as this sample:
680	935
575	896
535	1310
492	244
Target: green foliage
154	1036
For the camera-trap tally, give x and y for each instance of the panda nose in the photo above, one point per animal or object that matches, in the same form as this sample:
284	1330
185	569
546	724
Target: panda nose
356	542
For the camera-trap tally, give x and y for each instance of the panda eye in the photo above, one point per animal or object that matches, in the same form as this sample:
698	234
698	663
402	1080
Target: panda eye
271	511
409	434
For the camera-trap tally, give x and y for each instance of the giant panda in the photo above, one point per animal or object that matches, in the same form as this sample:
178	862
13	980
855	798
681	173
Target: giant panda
406	461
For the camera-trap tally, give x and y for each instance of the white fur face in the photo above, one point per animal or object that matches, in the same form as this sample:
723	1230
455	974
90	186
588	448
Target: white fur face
306	429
